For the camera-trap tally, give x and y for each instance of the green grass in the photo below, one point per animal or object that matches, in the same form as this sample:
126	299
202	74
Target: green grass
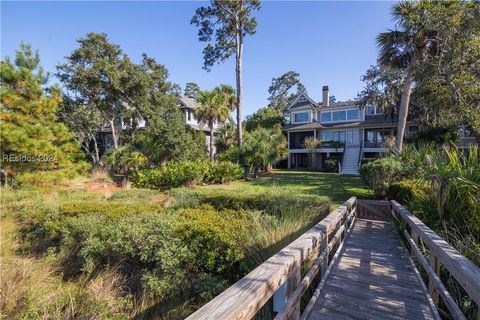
335	187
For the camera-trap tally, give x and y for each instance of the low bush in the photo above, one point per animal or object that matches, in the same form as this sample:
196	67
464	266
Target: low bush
331	164
379	174
407	190
186	173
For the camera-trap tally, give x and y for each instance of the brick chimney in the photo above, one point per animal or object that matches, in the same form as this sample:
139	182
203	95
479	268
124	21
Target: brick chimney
326	98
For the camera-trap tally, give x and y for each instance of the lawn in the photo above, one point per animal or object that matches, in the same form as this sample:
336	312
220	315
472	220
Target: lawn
335	187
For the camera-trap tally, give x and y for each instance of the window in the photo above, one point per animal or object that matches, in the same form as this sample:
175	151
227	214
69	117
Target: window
189	115
352	114
302	99
339	115
301	117
326	116
333	136
372	110
327	136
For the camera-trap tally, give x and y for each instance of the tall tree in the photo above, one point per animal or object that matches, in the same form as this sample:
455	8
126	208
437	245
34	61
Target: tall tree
406	47
281	90
267	117
192	90
214	108
31	138
100	75
225	24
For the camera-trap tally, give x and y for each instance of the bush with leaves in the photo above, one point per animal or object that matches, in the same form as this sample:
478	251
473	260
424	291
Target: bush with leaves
185	173
379	174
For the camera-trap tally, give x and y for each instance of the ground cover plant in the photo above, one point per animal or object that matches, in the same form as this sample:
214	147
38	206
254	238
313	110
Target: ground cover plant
146	253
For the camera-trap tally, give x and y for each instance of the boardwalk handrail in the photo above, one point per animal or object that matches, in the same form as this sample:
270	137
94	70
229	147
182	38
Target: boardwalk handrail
245	298
465	272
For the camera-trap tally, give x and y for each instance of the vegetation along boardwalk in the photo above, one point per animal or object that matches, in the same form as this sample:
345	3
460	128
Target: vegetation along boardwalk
360	256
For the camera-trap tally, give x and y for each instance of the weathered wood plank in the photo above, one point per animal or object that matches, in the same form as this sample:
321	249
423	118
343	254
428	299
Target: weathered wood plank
435	281
249	294
463	270
372	278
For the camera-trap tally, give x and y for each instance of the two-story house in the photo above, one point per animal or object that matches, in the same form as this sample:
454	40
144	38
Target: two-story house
346	130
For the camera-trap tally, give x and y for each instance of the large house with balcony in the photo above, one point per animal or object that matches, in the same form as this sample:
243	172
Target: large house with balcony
347	132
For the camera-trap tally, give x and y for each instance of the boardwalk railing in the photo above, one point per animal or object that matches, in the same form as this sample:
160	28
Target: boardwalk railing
245	298
440	253
281	274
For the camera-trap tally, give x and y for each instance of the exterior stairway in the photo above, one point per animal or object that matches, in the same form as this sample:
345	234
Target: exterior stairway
350	160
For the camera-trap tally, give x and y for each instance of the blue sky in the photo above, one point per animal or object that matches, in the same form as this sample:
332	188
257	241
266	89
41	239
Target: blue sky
328	43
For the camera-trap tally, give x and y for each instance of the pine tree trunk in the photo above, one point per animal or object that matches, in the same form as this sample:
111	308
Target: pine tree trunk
403	113
114	135
212	137
238	70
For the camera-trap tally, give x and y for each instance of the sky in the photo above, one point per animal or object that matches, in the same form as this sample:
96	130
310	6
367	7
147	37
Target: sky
328	43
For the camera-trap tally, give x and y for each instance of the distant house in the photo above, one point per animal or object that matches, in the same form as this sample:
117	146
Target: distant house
346	131
187	106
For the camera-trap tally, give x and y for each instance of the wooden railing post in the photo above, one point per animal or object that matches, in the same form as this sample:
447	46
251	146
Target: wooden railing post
431	285
324	246
293	283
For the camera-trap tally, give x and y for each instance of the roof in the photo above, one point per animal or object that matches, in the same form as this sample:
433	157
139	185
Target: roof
310	125
337	105
187	102
296	104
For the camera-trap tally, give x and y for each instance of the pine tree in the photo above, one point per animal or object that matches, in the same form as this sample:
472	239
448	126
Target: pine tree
31	137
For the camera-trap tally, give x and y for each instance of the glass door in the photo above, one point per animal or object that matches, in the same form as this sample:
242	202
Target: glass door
353	137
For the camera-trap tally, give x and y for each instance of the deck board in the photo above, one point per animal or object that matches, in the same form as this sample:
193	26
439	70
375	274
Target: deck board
372	278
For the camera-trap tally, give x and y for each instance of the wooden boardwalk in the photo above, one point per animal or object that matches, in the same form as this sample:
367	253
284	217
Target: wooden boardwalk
372	277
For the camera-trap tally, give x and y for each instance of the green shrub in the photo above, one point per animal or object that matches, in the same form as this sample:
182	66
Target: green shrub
331	164
133	195
406	190
186	173
437	135
379	174
109	209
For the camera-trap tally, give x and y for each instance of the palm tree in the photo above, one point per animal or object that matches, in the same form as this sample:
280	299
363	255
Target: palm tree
404	48
214	108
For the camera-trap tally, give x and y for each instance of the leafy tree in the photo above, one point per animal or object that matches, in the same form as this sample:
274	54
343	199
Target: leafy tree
311	144
28	120
383	88
332	99
85	122
192	90
125	160
448	83
281	95
405	48
228	22
226	137
214	108
98	74
267	117
263	148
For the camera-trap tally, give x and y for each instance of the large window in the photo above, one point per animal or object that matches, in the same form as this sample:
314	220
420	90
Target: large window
301	117
326	116
335	136
352	114
340	115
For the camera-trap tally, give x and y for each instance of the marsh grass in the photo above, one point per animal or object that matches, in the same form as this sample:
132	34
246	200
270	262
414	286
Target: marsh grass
34	286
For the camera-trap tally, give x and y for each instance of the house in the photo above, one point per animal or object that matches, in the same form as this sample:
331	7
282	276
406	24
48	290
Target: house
187	106
347	132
